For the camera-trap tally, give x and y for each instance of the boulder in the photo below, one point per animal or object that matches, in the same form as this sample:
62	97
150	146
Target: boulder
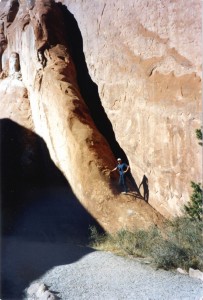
39	291
196	274
181	271
36	289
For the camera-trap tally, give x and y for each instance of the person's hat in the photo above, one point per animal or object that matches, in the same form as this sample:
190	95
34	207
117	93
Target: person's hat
118	159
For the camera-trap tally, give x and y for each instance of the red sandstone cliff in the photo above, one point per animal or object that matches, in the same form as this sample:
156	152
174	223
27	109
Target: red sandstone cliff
146	58
148	88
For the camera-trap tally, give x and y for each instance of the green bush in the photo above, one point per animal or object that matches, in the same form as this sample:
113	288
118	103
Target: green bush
199	134
125	241
194	207
96	238
181	246
168	255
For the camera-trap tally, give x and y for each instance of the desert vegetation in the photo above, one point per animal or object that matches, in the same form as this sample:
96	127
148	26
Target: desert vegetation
178	244
199	136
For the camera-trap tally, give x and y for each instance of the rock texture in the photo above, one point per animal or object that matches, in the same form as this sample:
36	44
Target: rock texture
14	103
59	114
145	57
149	87
39	291
196	274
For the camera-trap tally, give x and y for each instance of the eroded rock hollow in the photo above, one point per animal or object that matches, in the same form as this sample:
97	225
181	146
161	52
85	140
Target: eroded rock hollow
148	88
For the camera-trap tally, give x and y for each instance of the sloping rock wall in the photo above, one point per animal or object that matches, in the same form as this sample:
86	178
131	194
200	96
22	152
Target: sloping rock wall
36	34
146	58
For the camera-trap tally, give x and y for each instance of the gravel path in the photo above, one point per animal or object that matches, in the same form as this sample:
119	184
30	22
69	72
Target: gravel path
104	276
48	246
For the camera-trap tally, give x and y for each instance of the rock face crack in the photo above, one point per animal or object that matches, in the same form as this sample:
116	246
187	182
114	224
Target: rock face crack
88	88
101	17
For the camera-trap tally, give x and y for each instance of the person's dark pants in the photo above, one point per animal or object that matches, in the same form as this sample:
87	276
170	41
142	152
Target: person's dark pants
122	182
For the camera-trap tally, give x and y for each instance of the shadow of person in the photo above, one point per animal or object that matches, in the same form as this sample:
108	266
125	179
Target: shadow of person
145	185
43	224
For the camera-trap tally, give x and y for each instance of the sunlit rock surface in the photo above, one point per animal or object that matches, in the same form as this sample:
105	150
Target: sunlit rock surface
146	58
149	83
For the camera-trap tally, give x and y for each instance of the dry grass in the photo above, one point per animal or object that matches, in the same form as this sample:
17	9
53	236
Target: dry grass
180	244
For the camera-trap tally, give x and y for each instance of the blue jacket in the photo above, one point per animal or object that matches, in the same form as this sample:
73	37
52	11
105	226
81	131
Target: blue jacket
121	168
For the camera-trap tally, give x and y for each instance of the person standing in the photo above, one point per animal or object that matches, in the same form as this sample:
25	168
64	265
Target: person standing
122	168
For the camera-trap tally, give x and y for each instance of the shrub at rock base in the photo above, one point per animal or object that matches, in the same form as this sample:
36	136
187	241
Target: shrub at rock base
178	245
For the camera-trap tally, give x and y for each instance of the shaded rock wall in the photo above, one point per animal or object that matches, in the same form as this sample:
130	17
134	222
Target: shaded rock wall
59	114
145	57
25	167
